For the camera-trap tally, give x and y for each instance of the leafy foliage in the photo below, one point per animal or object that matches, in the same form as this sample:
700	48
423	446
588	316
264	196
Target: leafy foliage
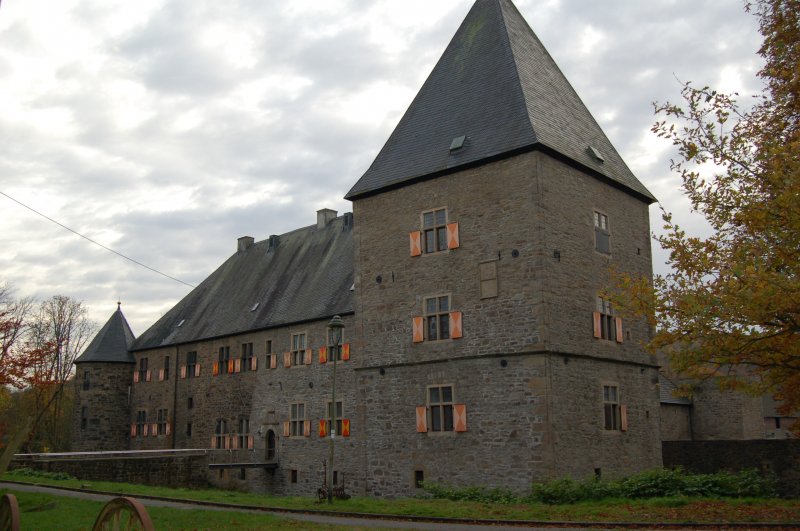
662	483
31	473
473	494
730	308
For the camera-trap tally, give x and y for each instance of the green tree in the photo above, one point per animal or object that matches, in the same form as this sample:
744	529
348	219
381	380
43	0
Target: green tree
730	307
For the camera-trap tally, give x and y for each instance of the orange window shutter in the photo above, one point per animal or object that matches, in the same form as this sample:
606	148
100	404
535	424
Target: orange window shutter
618	324
418	327
183	371
135	376
213	442
345	427
160	375
237	365
197	370
455	325
623	418
307	357
323	354
460	417
148	375
215	368
231	367
346	352
286	428
452	236
323	428
250	442
422	419
226	443
596	319
306	428
153	429
287	359
415	241
235	442
253	363
273	361
146	430
133	430
168	428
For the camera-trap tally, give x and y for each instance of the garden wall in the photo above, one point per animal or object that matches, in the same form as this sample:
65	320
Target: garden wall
184	469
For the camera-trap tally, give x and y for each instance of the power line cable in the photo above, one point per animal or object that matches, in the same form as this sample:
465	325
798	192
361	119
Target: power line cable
94	242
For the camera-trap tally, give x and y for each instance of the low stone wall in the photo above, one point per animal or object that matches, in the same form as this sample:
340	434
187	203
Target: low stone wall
780	456
168	469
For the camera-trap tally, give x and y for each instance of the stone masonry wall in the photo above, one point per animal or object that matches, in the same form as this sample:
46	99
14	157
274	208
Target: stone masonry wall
725	415
532	216
506	424
189	471
263	397
106	402
581	446
676	422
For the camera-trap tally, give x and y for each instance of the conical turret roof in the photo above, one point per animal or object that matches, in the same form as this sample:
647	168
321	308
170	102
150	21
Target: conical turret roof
111	343
497	86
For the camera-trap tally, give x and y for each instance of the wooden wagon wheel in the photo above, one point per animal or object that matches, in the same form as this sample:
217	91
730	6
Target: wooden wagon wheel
9	513
123	514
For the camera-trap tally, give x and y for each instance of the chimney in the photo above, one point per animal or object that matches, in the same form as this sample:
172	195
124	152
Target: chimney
347	222
273	242
244	243
325	216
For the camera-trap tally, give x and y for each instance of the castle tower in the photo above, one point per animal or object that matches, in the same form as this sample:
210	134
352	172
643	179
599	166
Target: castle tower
102	387
493	214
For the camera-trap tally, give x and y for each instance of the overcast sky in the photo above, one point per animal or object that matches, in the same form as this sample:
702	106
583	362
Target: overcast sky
166	129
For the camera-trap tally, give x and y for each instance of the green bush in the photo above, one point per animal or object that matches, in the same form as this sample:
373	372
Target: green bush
474	494
660	483
31	473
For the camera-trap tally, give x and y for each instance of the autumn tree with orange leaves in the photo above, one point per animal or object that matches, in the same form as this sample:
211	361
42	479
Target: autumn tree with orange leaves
730	308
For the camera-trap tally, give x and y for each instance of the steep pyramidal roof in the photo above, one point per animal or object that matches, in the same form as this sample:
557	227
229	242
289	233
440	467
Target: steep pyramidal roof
300	276
496	85
111	343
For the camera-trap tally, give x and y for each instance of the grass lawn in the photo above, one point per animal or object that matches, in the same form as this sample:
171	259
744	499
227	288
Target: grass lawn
679	509
44	511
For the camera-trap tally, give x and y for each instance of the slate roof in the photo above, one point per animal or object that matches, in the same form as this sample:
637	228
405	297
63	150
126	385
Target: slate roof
498	86
111	344
666	392
306	277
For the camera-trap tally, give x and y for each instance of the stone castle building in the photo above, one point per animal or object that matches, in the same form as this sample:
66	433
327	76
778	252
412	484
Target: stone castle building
477	347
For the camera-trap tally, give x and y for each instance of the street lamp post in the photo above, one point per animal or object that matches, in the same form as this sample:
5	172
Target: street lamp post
335	326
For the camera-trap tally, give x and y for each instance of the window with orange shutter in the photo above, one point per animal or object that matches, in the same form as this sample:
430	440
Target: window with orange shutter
440	406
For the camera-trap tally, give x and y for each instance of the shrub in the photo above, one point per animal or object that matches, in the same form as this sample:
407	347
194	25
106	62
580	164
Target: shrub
660	483
31	473
474	494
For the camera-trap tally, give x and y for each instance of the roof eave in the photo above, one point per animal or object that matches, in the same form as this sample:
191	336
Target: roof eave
537	146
